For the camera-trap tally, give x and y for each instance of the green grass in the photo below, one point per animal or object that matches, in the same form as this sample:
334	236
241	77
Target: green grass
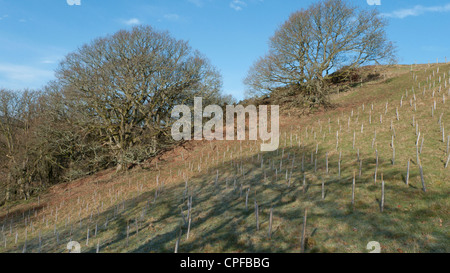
412	221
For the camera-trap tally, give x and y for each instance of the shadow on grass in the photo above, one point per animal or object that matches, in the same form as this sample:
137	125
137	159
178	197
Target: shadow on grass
221	223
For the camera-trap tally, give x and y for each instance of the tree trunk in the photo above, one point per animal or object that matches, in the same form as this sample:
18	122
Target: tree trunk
120	163
8	188
154	144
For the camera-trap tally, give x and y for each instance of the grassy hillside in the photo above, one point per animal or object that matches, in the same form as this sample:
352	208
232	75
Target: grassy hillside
147	209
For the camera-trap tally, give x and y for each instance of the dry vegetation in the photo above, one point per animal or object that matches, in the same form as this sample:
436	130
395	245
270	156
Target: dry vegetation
201	197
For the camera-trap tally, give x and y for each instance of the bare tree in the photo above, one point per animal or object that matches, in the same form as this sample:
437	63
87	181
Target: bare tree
125	86
329	35
111	104
9	114
17	114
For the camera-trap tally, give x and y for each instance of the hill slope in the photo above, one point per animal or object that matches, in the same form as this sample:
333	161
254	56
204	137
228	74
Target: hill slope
218	185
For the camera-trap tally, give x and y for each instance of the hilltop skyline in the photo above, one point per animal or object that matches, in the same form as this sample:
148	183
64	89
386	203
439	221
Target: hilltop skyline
35	36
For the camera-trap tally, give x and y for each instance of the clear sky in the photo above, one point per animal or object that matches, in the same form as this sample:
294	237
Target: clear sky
36	34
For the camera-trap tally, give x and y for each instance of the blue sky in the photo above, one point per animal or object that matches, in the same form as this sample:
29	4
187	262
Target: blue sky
36	34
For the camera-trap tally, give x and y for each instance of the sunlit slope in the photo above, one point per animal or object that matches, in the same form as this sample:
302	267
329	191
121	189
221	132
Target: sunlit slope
227	196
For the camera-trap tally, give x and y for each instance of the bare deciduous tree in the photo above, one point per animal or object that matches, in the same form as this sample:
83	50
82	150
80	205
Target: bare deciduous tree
125	85
111	105
329	35
17	114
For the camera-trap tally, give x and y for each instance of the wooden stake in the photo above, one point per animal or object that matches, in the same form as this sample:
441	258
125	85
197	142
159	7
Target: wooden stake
422	178
323	189
382	193
257	216
189	229
177	243
407	172
304	232
270	222
304	182
376	167
448	160
353	191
